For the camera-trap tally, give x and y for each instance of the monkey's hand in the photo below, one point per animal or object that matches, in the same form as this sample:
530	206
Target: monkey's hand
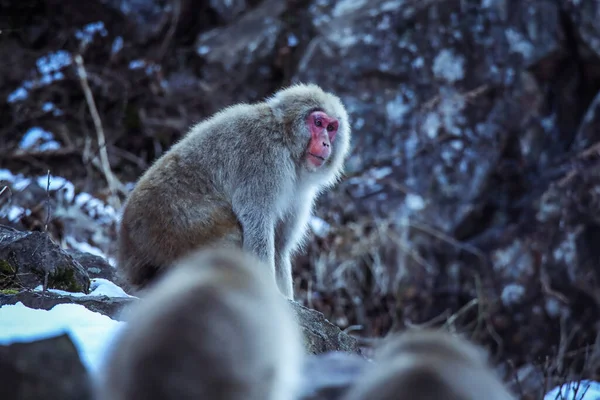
283	275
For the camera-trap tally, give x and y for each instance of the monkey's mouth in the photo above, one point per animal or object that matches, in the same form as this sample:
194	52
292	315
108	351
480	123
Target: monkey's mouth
315	161
316	156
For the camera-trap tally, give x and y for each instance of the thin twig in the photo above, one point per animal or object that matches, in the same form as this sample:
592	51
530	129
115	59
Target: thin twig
108	174
63	152
47	202
9	195
451	321
171	32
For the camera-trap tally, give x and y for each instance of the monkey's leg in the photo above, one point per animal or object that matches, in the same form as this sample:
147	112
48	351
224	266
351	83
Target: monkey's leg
158	229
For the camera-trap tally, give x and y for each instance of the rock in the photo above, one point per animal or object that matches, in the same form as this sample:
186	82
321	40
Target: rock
240	52
435	106
109	306
570	270
583	17
327	376
148	17
587	134
321	335
43	369
228	10
96	266
29	259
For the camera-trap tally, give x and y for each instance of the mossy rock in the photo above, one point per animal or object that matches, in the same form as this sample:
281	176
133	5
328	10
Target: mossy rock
30	259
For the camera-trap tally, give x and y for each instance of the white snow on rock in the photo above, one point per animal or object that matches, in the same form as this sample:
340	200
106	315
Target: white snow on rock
90	331
98	287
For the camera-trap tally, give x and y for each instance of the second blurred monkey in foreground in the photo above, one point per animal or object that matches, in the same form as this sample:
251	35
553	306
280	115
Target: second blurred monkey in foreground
429	365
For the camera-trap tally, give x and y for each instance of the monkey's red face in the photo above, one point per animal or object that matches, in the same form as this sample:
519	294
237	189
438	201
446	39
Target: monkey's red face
323	129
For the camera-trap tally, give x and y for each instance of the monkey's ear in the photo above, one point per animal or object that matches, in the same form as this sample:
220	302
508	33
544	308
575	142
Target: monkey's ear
289	101
278	107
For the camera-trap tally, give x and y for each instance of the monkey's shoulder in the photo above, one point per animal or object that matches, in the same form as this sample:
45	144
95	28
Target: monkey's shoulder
242	116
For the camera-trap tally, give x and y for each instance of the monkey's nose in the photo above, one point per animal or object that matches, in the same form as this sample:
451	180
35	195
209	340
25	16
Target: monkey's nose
325	144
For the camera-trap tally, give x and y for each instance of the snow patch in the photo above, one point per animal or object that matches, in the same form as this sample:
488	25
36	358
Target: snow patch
14	213
95	208
149	67
39	139
512	294
379	173
292	40
347	6
88	32
397	109
53	62
84	247
582	390
319	226
414	201
50	107
98	287
49	67
518	43
117	45
203	50
449	66
90	331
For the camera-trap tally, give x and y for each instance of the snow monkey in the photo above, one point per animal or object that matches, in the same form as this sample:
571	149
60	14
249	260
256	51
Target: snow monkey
429	365
246	177
214	326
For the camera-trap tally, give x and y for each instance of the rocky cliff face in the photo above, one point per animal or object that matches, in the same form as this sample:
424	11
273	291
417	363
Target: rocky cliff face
471	193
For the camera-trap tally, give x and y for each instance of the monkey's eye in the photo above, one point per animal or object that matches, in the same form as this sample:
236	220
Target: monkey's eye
318	122
330	127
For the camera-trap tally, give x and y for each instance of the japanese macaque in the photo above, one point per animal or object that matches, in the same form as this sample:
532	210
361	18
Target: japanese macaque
246	177
212	327
429	365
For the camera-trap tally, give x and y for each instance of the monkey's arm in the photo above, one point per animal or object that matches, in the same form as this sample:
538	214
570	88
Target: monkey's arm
289	234
254	209
283	263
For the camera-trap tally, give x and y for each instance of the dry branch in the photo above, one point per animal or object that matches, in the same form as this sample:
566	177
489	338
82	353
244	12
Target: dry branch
114	184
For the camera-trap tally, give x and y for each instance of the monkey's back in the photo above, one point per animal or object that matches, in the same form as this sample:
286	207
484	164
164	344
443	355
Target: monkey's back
416	382
427	378
427	365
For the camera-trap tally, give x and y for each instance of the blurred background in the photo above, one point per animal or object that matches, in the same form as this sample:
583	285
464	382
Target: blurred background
471	199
